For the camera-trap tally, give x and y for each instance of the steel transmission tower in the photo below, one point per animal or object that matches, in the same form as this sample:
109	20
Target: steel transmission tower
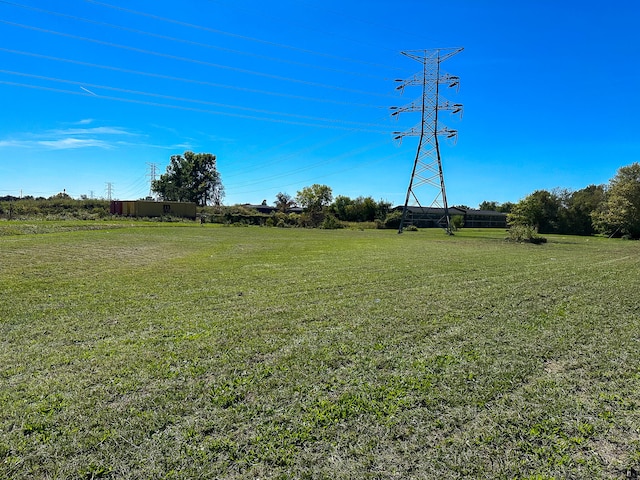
152	177
427	166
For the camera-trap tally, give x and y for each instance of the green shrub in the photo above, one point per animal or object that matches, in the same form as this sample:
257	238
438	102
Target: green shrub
393	219
282	220
457	222
56	208
525	233
310	219
100	212
330	222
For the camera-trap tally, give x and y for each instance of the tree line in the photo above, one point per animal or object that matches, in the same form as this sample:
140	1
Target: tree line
313	206
612	209
321	209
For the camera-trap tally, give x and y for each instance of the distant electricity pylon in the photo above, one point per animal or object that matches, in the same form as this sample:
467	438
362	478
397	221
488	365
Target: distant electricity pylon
152	176
109	190
427	166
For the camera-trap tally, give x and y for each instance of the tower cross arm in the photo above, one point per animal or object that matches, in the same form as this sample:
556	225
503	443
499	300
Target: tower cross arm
437	54
412	107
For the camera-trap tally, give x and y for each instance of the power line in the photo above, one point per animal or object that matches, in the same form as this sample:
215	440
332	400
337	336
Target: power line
307	119
359	19
315	165
188	100
307	149
137	188
350	132
186	41
181	107
182	99
317	177
314	25
235	35
191	60
190	80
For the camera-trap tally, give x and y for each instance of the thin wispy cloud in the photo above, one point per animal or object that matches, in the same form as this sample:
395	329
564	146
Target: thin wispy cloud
177	148
73	143
14	144
184	146
105	137
93	131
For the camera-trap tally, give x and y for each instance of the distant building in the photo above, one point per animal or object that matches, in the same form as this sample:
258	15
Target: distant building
269	209
144	208
484	219
429	217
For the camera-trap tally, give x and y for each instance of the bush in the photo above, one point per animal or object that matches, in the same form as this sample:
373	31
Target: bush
100	212
56	208
525	233
310	219
457	222
393	219
282	220
330	222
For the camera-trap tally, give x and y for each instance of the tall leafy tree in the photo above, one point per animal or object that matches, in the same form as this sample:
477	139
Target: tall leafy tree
192	177
491	206
540	210
620	213
579	208
496	207
340	207
361	209
315	197
284	202
314	200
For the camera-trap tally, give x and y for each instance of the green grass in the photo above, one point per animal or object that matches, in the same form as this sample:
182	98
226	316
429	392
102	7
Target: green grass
188	351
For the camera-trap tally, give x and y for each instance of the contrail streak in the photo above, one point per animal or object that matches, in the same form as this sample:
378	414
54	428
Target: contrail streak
88	91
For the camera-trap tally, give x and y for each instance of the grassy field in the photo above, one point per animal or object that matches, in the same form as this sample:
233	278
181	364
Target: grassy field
133	350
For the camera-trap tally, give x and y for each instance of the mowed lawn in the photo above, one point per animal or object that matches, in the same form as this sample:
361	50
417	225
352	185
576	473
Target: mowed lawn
139	350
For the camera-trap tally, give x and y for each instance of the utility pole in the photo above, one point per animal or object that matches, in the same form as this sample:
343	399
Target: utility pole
152	176
427	166
109	190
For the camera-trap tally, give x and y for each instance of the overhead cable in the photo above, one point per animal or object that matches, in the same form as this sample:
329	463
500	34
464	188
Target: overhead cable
188	42
192	109
235	35
192	60
190	80
83	86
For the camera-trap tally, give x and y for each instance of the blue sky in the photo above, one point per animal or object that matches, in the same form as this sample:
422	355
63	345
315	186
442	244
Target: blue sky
295	92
